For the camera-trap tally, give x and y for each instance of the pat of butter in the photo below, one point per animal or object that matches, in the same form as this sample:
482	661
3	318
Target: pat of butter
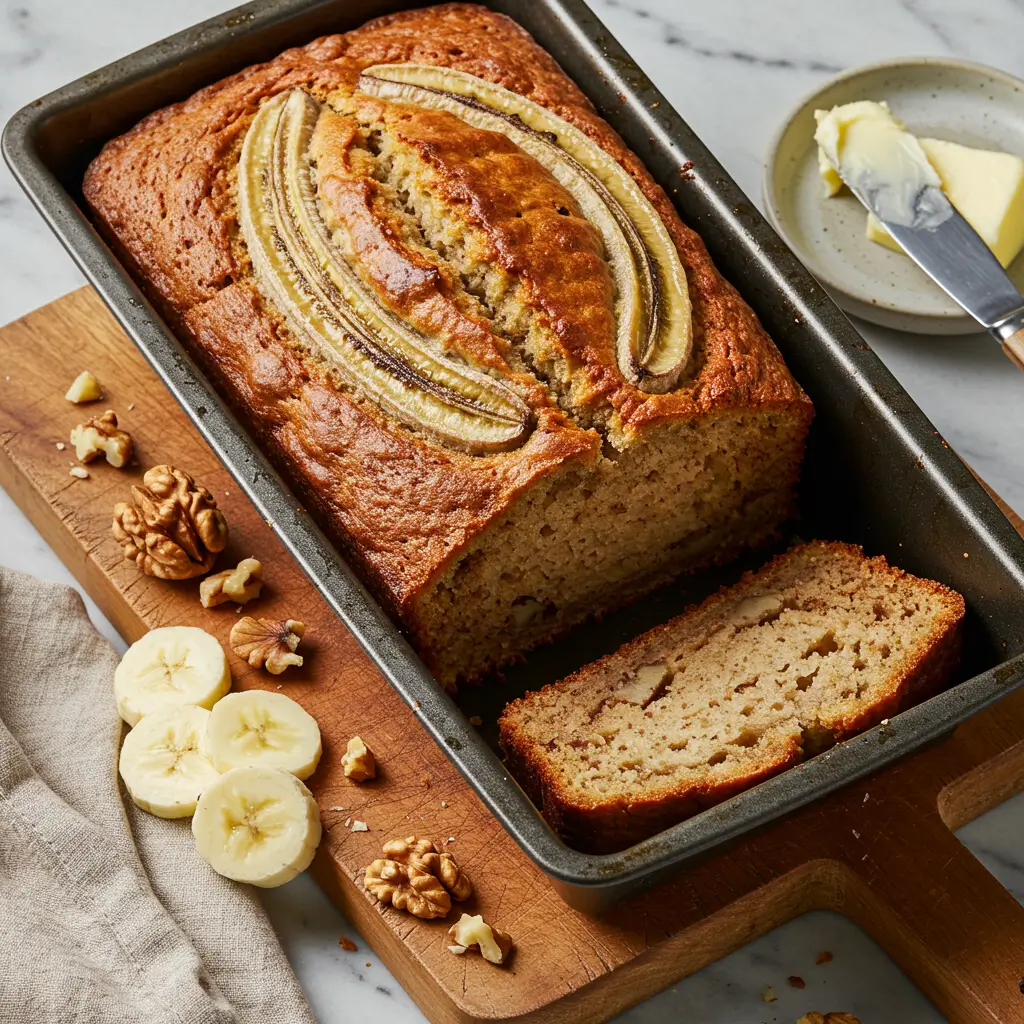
829	175
877	157
986	187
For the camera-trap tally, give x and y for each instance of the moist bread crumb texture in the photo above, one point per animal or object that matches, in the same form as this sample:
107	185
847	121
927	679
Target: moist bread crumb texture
818	645
487	257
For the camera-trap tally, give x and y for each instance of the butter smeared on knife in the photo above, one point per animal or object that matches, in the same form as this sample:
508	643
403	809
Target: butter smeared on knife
877	157
888	171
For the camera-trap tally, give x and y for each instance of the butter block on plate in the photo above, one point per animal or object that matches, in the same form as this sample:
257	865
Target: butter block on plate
985	186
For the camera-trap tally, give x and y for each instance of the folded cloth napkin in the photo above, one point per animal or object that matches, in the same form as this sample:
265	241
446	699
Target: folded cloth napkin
107	914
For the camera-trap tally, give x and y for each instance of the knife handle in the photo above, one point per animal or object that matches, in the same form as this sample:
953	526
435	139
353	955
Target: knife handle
1013	348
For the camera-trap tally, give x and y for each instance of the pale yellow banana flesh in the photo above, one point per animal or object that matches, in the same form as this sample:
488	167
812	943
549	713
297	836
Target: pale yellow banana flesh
263	728
170	667
257	825
163	762
655	337
330	310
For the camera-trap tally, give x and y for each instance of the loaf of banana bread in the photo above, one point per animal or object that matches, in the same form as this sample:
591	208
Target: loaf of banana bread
818	645
465	322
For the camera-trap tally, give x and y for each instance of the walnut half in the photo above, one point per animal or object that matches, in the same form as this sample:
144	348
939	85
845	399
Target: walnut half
267	643
408	888
358	761
240	584
101	436
412	875
172	527
422	853
469	933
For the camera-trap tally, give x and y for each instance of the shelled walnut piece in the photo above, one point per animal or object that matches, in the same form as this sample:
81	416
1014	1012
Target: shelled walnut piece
172	528
412	875
84	388
267	643
101	436
358	761
241	584
471	932
828	1018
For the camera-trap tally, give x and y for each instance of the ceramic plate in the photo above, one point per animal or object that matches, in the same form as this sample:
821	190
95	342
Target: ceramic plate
934	97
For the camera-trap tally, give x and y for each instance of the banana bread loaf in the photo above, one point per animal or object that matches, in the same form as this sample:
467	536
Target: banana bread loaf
818	645
465	322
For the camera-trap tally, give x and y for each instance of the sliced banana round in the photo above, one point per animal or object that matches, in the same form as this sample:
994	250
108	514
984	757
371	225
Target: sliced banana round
163	763
266	729
168	668
257	825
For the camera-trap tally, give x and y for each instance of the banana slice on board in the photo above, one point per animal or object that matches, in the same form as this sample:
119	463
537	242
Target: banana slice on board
163	763
257	825
168	668
266	729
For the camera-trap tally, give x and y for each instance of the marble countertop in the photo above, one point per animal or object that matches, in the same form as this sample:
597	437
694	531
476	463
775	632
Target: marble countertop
733	69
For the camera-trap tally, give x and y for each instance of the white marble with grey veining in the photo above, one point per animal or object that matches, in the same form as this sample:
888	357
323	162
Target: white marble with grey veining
733	68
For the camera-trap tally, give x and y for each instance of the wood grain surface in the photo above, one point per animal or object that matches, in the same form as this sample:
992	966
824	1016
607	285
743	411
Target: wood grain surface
881	851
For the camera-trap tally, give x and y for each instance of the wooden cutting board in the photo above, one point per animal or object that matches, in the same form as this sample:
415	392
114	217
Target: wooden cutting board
881	851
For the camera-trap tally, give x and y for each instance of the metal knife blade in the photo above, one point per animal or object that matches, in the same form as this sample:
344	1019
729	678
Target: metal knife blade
954	256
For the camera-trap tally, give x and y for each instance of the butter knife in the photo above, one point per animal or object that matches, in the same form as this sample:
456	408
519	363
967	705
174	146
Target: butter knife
953	255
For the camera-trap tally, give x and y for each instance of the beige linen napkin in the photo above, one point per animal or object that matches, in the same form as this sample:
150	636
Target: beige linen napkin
106	916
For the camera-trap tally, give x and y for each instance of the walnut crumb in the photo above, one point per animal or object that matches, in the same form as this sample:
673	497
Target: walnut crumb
79	472
358	761
768	994
824	957
471	932
347	944
795	981
101	436
475	720
360	826
267	643
241	584
61	446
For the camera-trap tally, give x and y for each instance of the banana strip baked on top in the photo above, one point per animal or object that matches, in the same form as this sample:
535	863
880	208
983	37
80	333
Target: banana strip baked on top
465	322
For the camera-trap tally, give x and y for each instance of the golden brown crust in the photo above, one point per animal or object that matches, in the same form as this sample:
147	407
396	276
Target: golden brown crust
605	823
402	507
404	279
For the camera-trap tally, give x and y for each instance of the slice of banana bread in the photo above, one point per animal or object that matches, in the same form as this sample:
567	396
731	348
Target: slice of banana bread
821	643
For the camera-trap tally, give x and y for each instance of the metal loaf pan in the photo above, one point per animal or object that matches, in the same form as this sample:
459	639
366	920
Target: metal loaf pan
877	473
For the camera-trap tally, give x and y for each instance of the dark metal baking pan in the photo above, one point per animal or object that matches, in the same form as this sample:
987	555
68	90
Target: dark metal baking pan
877	473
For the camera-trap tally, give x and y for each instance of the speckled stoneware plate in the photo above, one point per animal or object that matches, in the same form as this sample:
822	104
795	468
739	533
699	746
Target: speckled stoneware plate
936	97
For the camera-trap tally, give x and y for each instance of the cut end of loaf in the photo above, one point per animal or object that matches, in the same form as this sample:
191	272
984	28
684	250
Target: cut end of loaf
820	644
592	538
